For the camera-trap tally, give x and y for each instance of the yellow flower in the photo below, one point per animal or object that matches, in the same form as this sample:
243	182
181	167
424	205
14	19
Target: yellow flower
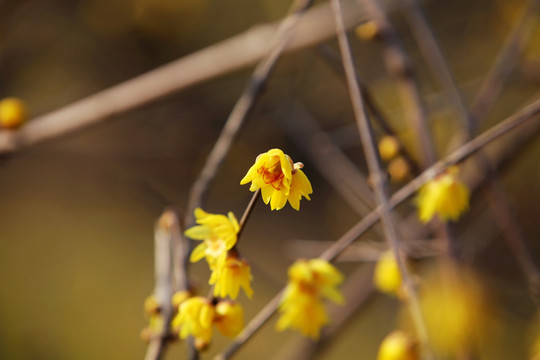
302	311
229	318
445	196
454	310
301	306
398	346
398	169
12	113
231	274
218	233
387	277
279	180
194	318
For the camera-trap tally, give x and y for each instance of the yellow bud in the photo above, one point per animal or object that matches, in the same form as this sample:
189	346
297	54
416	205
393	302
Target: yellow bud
151	305
388	147
398	169
12	113
179	297
398	346
368	30
387	277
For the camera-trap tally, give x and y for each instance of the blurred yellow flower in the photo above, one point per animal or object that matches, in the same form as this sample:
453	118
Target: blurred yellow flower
231	274
398	169
387	277
279	180
194	318
218	233
454	310
398	346
445	196
229	318
388	147
301	306
12	113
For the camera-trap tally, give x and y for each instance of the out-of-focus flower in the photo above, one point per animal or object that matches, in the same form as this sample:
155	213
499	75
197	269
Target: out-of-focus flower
301	307
387	277
454	310
194	318
229	318
398	345
218	233
230	275
156	322
388	147
12	113
398	169
445	196
179	297
279	180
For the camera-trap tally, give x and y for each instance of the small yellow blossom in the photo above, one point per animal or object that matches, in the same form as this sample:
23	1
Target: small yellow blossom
387	277
398	169
301	306
231	274
279	180
445	196
179	297
218	232
12	113
156	322
398	346
229	318
388	147
368	30
194	318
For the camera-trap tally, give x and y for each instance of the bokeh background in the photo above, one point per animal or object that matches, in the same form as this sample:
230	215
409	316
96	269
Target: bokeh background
77	212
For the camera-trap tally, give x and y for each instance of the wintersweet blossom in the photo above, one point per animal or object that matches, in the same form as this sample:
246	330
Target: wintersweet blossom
279	180
445	196
398	345
218	233
301	306
387	277
196	316
230	275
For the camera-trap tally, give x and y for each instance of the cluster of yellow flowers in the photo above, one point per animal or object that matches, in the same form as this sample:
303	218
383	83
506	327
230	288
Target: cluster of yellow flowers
301	307
279	180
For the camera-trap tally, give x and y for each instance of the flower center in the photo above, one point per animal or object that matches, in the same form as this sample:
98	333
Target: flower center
272	174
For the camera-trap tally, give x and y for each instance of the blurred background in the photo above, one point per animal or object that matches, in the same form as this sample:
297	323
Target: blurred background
77	212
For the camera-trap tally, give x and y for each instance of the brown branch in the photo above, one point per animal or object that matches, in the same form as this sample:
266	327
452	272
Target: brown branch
229	55
163	242
378	179
524	115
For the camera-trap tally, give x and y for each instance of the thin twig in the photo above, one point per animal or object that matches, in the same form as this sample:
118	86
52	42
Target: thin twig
506	60
378	179
526	114
229	55
332	59
248	211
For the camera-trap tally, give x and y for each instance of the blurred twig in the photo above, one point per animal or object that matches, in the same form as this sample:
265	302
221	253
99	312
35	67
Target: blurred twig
232	54
163	245
526	114
332	59
378	179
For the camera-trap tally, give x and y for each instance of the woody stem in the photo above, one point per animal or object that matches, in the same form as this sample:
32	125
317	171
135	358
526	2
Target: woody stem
247	212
